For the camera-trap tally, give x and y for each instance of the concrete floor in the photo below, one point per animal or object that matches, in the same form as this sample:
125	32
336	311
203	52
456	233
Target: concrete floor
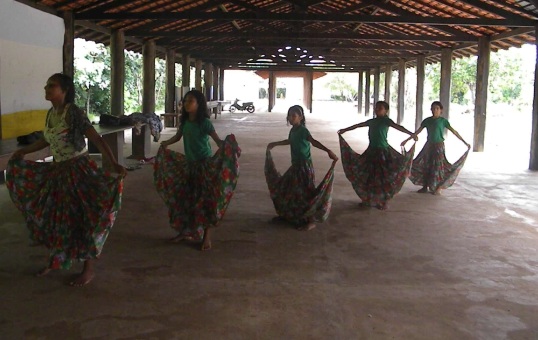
460	266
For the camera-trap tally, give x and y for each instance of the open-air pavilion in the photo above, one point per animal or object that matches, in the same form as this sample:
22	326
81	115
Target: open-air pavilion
459	266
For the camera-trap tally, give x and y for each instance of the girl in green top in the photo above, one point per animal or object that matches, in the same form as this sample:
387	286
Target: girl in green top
197	186
294	195
431	169
379	173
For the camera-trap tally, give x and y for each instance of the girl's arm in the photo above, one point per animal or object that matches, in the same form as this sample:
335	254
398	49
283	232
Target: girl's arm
282	142
98	141
458	135
216	138
416	135
352	127
176	138
322	147
404	130
35	146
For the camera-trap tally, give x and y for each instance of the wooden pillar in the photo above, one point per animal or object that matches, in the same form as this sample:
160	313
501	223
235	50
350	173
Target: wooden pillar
198	75
533	162
170	89
272	91
482	80
367	95
360	90
377	72
421	76
388	81
401	91
308	89
69	44
186	72
117	72
216	72
148	94
446	80
221	83
208	81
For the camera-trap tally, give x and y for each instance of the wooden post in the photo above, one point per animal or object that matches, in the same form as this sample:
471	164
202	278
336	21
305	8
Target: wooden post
69	44
208	81
388	81
221	83
367	95
308	90
216	72
148	96
482	80
446	80
360	90
198	75
533	163
170	89
401	91
421	76
186	72
272	91
117	72
377	72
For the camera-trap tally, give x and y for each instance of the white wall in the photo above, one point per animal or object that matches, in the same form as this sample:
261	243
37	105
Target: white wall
30	51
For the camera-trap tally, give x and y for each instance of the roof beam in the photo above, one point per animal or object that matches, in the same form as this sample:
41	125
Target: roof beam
411	19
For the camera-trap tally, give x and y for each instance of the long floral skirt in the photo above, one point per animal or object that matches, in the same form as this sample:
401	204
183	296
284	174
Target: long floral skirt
294	194
69	206
378	174
197	193
432	169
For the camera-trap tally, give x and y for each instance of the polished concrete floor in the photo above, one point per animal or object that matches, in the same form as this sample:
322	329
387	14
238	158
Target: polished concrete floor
463	265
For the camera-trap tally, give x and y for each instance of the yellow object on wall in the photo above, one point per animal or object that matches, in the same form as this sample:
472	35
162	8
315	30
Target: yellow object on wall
22	123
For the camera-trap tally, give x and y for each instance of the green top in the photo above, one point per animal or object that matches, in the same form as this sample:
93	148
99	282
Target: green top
377	131
300	146
436	128
196	139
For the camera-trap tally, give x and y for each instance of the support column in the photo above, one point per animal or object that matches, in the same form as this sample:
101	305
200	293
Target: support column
446	80
186	72
359	92
69	44
170	91
533	162
377	72
198	75
401	91
272	91
208	81
221	83
421	76
216	72
388	82
482	80
148	95
367	95
308	89
117	72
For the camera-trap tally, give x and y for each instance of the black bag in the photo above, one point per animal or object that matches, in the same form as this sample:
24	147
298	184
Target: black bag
30	138
110	120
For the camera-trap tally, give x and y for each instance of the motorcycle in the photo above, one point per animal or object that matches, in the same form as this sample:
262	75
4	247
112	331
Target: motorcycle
248	106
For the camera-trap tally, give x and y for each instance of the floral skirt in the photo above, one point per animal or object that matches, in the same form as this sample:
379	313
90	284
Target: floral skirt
294	194
69	206
378	174
197	193
431	168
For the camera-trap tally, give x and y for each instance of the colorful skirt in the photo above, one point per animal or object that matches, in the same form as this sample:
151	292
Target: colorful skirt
69	206
197	193
431	168
378	174
294	194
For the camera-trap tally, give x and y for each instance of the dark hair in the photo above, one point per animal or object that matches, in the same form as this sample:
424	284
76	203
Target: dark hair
300	110
67	86
384	103
438	103
202	112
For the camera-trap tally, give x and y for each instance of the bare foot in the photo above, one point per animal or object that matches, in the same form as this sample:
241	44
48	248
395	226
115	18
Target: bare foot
180	238
307	227
423	190
43	272
382	206
437	192
85	277
206	243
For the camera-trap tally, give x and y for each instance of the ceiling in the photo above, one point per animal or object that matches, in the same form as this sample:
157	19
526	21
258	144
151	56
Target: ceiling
304	34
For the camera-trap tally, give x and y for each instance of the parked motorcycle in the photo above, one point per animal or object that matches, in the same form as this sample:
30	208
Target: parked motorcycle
246	106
